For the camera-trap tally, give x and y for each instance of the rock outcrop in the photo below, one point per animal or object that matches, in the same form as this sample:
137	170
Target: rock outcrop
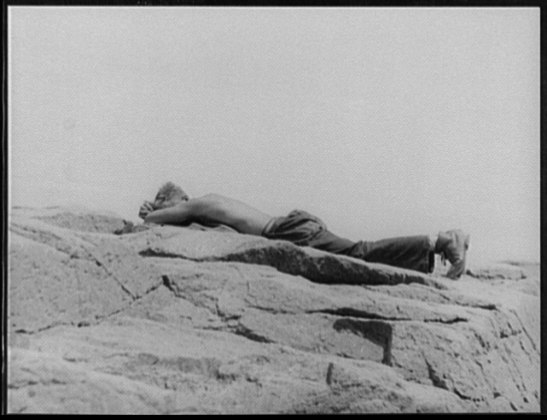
190	320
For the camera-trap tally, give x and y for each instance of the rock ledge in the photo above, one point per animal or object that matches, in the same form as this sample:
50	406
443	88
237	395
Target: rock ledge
176	320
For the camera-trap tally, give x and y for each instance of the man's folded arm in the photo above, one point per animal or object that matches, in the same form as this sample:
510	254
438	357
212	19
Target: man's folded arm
180	213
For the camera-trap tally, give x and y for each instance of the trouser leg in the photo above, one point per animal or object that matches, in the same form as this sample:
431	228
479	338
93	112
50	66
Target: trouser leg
304	229
411	252
328	241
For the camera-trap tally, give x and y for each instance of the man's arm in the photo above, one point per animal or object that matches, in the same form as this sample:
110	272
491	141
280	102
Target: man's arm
179	213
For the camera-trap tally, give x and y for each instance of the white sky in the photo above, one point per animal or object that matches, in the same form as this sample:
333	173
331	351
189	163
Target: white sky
381	121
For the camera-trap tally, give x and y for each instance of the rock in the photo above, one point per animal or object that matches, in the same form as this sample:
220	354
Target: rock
45	384
61	276
197	371
497	271
318	266
176	320
73	218
523	277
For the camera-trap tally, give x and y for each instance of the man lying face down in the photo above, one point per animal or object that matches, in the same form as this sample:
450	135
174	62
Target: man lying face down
173	206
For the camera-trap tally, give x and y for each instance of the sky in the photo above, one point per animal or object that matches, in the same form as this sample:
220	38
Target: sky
383	122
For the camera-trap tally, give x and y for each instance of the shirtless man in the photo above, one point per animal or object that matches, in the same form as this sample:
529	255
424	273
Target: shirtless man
210	209
173	206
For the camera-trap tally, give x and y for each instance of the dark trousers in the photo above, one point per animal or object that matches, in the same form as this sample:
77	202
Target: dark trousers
302	228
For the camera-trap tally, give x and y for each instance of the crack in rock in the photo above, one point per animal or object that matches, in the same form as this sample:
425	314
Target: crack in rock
251	335
86	323
58	243
440	382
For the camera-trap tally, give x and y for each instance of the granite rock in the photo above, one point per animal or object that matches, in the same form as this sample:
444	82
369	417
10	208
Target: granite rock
168	320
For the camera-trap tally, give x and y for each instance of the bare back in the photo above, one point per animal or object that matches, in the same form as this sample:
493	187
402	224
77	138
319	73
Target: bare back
214	208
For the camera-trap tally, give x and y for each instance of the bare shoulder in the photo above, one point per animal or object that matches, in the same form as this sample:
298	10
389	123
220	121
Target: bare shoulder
198	204
212	197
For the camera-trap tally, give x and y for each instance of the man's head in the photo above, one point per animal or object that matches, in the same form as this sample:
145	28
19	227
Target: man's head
169	195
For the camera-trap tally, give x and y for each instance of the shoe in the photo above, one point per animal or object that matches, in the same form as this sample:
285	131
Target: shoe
453	245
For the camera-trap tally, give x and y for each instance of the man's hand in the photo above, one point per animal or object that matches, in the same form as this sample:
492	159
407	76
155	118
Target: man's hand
146	208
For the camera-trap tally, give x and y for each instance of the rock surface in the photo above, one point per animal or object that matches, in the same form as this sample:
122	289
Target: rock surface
188	320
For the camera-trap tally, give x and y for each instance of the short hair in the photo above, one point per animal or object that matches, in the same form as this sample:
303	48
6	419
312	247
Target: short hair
171	190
